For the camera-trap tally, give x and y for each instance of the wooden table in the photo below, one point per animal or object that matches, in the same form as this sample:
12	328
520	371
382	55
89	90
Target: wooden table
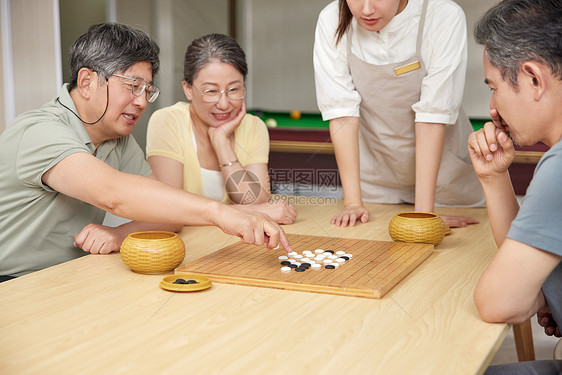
95	316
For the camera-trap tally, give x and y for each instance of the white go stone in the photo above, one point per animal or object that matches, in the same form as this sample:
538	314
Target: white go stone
327	261
285	269
349	256
283	257
340	252
318	251
316	266
340	260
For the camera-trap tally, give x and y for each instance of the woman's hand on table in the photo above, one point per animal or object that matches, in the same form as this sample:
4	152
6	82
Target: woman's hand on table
350	215
458	221
99	239
280	210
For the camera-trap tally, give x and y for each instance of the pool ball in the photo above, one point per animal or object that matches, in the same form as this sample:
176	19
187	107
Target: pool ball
271	123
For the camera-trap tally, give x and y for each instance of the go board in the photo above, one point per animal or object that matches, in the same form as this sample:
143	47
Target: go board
375	268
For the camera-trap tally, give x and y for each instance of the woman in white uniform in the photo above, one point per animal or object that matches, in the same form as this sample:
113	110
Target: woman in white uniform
389	78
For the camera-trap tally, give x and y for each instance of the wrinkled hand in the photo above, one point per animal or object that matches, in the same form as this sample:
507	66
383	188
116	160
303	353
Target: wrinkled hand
546	320
350	215
458	221
490	148
228	128
280	210
99	239
252	227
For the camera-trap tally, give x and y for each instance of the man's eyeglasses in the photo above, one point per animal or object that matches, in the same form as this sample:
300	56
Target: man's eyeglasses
139	85
233	93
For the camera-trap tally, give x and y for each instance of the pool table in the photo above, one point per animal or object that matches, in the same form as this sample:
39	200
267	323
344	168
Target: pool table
305	142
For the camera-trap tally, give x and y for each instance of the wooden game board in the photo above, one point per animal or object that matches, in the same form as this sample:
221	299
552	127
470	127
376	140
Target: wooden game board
376	266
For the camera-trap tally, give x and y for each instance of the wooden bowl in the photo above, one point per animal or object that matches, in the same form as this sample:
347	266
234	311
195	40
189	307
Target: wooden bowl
152	252
415	226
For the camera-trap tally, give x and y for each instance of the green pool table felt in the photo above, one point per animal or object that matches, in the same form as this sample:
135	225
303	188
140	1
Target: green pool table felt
314	120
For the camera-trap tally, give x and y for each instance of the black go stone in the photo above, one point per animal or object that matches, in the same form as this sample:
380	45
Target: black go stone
192	282
292	265
300	269
305	265
330	266
329	251
180	281
344	257
285	262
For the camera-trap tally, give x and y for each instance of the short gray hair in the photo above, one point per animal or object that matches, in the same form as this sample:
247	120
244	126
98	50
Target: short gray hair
515	31
109	48
209	48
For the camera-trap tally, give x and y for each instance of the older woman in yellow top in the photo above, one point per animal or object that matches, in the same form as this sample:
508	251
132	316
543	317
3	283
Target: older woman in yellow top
211	146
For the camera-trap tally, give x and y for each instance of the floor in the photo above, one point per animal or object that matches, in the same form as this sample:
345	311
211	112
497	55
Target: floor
544	346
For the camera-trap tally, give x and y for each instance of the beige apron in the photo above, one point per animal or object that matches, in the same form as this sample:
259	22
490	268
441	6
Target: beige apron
387	137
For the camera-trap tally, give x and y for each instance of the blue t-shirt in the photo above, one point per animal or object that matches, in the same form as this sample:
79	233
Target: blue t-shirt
539	221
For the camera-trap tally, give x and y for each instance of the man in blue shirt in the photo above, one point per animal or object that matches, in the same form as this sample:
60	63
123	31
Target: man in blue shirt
523	69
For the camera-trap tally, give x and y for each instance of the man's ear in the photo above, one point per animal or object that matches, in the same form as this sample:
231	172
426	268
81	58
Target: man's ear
533	75
86	82
187	90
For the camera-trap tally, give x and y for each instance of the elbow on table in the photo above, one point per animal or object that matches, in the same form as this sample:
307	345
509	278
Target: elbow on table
176	228
496	310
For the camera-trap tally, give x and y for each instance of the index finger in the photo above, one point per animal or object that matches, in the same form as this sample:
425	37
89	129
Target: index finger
276	236
80	238
491	132
496	118
285	241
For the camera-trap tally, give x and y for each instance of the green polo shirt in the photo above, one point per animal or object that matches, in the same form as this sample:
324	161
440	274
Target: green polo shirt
38	224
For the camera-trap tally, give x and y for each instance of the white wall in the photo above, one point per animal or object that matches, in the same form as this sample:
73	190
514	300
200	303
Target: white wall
476	94
173	24
33	52
277	36
3	97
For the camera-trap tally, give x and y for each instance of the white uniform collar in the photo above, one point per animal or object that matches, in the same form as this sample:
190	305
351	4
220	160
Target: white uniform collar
402	20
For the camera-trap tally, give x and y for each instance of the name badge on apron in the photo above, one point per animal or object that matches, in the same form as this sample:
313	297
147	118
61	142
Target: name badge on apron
407	68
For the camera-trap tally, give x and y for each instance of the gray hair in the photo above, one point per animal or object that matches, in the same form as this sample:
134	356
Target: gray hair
515	31
109	48
209	48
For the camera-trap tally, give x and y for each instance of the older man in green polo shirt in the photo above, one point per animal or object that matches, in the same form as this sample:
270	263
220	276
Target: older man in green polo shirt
63	165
